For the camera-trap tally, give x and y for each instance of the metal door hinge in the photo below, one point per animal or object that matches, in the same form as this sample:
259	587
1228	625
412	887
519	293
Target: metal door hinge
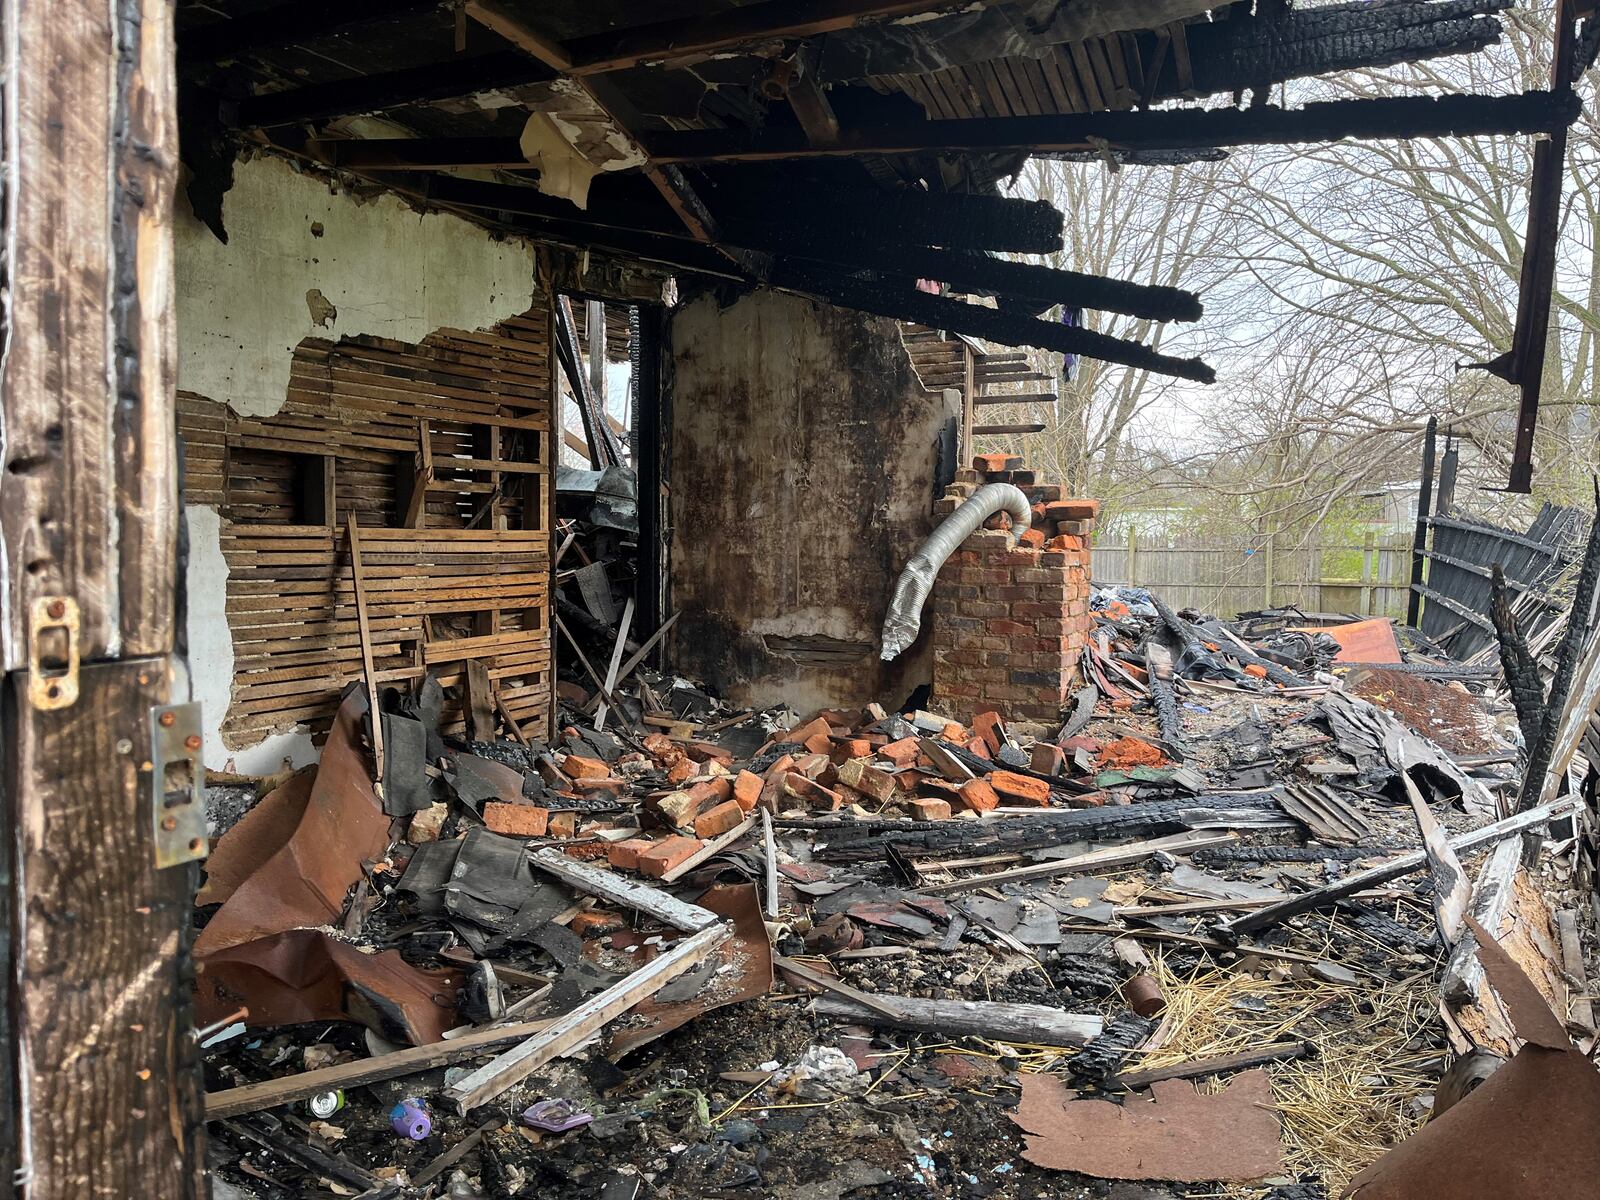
177	784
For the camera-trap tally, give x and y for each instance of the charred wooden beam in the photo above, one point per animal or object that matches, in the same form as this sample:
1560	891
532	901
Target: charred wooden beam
767	20
1293	43
419	154
941	312
1516	660
674	187
286	25
953	220
1389	117
1537	284
979	273
392	89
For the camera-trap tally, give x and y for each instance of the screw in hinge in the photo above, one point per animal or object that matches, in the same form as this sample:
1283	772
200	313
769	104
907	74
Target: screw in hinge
168	720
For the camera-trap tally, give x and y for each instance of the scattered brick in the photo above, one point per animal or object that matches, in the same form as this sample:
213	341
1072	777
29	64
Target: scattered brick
715	822
585	851
819	743
902	753
1032	537
977	795
1255	670
860	774
680	771
625	855
811	793
563	824
516	820
579	767
1072	510
813	765
811	729
747	790
1019	787
666	854
993	464
990	727
930	810
709	792
1047	758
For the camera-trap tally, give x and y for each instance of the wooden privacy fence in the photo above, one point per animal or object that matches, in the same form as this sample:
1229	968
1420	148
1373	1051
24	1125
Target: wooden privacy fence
1368	579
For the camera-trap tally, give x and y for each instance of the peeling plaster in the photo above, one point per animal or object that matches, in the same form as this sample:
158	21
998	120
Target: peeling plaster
378	266
210	643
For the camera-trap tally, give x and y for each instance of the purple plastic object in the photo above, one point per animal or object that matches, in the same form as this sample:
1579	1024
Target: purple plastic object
555	1116
411	1120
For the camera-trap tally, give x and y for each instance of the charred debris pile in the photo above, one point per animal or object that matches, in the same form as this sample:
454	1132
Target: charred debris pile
1264	906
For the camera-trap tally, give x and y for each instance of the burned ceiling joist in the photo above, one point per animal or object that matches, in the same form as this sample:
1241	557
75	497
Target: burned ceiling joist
285	25
464	76
977	274
887	298
1386	117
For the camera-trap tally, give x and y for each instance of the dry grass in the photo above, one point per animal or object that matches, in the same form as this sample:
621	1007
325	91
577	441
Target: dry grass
1343	1107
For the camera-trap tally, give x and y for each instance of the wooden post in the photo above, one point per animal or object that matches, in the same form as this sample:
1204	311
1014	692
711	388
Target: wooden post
1133	556
358	585
596	322
1369	555
969	403
1269	555
101	1086
1419	539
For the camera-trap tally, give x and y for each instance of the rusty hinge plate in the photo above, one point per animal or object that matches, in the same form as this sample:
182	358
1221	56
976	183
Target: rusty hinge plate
177	784
53	660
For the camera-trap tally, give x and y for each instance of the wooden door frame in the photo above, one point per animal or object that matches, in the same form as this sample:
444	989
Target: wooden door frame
102	1090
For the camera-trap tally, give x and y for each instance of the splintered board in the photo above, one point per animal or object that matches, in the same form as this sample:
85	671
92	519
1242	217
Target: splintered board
467	579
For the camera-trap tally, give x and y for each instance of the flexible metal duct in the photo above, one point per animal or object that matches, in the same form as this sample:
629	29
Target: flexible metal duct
916	581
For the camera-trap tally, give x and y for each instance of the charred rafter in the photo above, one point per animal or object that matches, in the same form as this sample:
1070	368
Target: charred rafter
286	25
465	76
891	298
980	274
1165	129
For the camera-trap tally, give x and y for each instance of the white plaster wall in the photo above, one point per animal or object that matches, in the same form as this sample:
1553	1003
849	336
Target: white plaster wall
386	270
242	308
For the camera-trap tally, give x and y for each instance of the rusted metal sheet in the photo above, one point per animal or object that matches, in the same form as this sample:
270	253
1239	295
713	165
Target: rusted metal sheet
304	881
307	975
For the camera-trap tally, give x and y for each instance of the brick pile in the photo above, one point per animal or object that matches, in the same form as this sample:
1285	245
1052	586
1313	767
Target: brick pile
1010	615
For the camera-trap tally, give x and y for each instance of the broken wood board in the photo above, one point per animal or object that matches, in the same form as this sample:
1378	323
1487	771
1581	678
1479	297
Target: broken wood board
710	850
255	1097
608	885
1030	1024
1176	1135
1114	856
1395	868
569	1032
1217	1064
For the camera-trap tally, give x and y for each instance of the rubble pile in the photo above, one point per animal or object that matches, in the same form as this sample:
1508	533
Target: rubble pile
1211	928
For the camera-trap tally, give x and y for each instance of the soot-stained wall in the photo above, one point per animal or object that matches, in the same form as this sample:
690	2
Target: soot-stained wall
803	459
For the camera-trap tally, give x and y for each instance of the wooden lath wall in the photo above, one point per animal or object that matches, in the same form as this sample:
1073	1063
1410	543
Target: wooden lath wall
468	579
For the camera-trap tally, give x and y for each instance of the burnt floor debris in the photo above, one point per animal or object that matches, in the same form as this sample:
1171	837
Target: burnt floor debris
1254	914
